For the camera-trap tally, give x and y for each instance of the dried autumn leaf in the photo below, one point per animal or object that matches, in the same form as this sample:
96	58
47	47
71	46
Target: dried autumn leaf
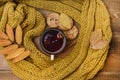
101	44
3	35
12	51
5	43
95	37
10	32
6	50
66	22
18	35
16	53
21	56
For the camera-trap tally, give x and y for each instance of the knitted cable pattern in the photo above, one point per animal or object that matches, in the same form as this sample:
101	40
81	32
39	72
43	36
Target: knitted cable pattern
82	63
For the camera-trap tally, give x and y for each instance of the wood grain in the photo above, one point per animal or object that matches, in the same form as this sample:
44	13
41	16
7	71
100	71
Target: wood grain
3	64
111	71
7	75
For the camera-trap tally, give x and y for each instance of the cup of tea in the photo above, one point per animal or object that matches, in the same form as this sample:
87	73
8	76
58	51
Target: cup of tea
52	41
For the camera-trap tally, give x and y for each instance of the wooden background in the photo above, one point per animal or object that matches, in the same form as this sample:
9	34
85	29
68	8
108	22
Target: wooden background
111	71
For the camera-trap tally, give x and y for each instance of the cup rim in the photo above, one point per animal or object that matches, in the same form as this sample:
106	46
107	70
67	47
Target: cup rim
49	52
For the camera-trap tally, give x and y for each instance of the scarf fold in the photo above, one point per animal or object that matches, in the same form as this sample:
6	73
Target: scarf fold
83	62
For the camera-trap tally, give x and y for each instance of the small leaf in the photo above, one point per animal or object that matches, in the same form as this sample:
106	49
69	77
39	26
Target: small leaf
5	43
3	35
8	49
95	37
101	44
18	35
10	32
22	56
16	53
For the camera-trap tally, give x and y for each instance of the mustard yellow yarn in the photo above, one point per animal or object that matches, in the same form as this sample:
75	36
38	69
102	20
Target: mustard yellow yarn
83	62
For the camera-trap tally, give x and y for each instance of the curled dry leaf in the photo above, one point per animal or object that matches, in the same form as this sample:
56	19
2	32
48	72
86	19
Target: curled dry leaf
10	32
8	49
72	33
16	53
5	43
65	22
95	37
12	51
3	35
96	40
101	44
22	56
18	35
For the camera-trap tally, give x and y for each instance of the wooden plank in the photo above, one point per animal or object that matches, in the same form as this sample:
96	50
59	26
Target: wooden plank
111	70
3	63
7	75
112	63
112	5
114	9
115	45
107	76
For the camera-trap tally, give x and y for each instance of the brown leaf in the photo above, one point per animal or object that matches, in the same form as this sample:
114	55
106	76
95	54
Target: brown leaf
10	32
9	48
3	35
22	56
18	35
5	42
101	44
95	37
16	53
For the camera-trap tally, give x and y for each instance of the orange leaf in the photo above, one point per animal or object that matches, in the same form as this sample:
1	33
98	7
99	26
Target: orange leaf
10	32
3	35
21	56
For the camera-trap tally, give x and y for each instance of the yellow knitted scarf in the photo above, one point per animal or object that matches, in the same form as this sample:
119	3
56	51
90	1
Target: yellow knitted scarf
83	62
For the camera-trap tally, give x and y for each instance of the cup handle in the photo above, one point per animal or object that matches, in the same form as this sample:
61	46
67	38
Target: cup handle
52	57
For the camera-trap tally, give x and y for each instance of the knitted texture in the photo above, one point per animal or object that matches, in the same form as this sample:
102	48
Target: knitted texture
83	62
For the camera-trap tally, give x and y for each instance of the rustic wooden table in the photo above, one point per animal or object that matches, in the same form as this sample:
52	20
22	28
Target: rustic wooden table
111	71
